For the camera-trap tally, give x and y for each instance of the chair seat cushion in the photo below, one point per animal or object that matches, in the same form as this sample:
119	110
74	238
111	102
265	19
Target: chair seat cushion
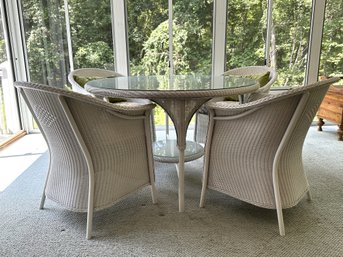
82	81
262	79
113	100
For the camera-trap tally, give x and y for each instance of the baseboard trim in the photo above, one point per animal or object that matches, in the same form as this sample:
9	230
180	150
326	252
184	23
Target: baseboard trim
13	138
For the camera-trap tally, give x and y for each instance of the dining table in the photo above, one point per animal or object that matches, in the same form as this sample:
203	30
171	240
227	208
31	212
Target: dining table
179	95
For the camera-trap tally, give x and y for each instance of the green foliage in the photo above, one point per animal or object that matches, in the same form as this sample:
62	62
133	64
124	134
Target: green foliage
91	30
159	116
192	41
144	16
156	58
45	39
245	33
95	54
291	25
3	123
332	46
3	56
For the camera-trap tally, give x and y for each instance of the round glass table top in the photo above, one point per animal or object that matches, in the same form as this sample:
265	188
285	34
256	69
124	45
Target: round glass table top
167	151
171	83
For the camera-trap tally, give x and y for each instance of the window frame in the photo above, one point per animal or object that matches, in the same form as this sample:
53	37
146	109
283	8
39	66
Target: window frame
16	41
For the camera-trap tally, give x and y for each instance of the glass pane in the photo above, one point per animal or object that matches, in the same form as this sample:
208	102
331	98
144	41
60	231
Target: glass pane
246	33
289	40
331	63
9	120
192	36
148	36
149	41
45	37
91	33
3	58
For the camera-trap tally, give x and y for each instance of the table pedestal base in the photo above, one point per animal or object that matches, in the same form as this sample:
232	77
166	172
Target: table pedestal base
181	112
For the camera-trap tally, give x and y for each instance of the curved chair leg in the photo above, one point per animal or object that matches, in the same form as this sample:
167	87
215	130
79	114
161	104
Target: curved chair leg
153	193
202	197
278	203
206	163
309	196
89	223
280	221
90	208
204	185
89	216
42	201
279	207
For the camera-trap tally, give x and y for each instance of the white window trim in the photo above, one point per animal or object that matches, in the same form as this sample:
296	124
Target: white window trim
170	30
119	35
315	41
16	39
268	36
18	57
219	37
17	68
69	41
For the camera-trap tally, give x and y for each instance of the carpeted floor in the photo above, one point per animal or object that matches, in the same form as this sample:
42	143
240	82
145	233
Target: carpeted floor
225	227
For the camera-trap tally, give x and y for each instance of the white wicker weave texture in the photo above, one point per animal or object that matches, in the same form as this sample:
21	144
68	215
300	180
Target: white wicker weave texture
99	152
202	116
254	150
89	73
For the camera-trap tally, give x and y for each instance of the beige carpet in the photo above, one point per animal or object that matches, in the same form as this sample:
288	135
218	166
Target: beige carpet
225	227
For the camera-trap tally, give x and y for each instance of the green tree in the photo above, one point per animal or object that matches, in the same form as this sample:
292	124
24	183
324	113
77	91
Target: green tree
95	54
246	28
144	16
192	40
91	31
45	40
3	56
332	46
291	26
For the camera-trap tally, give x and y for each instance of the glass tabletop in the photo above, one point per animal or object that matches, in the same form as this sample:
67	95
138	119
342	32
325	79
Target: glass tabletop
167	151
172	83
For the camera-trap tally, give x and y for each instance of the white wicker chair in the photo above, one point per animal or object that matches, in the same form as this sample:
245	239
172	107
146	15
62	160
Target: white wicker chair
252	71
91	73
253	151
99	152
102	73
201	121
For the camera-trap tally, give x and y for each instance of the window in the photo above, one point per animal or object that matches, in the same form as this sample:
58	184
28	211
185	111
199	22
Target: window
332	45
133	36
192	43
148	31
91	34
9	115
45	37
148	36
289	40
246	33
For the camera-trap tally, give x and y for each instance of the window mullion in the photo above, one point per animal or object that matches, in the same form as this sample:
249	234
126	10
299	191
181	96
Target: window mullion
219	37
170	30
268	37
120	39
69	41
315	42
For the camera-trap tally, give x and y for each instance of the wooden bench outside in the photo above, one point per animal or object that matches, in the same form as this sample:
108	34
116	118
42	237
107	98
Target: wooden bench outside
331	109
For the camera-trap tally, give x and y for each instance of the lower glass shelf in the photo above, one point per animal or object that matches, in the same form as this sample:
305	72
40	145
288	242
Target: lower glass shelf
167	151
